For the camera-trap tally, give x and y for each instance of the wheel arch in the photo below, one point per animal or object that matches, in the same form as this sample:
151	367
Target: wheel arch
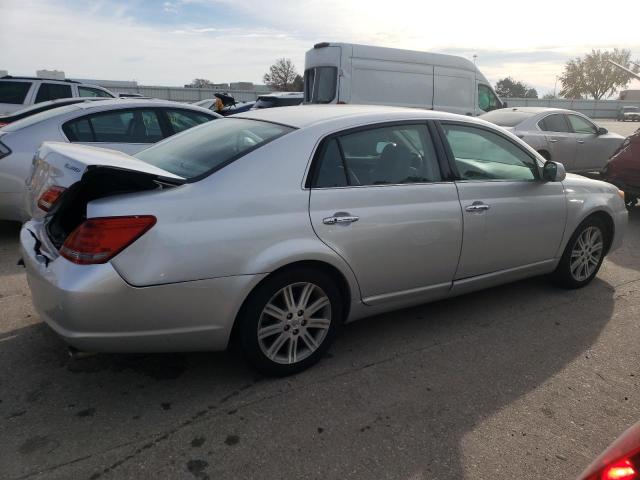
345	288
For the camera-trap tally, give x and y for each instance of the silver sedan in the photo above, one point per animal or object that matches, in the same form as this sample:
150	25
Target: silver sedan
272	229
125	125
560	135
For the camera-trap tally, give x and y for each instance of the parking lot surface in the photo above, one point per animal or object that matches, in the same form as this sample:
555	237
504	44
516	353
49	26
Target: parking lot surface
522	381
621	128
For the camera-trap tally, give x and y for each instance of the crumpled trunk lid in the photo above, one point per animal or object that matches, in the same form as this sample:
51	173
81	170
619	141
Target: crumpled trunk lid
64	164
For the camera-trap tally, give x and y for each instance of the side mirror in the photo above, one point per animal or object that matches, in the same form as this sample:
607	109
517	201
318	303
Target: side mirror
602	131
504	104
553	172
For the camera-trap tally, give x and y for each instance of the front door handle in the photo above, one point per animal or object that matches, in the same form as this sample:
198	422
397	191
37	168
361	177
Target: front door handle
340	218
553	140
477	207
580	141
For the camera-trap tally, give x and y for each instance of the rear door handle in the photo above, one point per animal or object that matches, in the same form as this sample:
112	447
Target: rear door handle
340	218
477	207
580	141
553	140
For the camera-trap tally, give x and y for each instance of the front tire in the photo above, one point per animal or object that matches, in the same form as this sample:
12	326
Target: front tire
290	320
583	254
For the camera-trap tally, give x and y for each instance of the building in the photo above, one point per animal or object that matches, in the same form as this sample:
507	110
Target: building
51	74
630	95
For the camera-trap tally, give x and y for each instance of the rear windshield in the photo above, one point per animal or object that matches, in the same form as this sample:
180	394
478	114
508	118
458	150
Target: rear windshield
38	117
320	84
37	108
13	92
509	118
201	150
630	109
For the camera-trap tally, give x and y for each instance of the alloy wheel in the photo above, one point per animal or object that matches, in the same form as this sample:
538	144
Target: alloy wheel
586	253
294	323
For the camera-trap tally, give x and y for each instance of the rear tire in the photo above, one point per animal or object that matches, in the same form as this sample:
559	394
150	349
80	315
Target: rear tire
290	320
583	254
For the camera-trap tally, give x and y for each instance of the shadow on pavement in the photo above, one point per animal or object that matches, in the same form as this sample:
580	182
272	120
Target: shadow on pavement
394	398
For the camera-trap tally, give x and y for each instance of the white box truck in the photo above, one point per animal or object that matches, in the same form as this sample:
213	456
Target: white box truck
364	74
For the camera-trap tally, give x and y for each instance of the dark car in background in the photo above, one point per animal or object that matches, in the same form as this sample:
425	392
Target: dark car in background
279	99
623	169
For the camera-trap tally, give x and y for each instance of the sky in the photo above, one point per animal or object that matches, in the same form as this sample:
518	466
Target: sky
171	42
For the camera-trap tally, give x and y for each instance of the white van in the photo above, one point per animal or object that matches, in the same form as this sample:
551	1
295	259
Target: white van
363	74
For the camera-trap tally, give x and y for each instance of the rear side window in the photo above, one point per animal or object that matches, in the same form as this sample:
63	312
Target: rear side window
51	91
181	120
128	126
378	156
92	92
204	149
554	123
14	92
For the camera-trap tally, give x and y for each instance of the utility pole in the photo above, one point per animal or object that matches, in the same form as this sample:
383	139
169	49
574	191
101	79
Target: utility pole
555	86
475	57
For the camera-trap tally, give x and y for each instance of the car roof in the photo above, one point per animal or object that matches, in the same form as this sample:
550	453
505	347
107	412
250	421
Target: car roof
535	109
302	116
137	102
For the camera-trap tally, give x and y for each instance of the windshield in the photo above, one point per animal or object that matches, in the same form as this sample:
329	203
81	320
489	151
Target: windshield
204	149
506	118
320	84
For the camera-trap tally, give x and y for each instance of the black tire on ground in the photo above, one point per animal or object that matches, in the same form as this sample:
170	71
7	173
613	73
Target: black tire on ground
630	201
562	275
252	311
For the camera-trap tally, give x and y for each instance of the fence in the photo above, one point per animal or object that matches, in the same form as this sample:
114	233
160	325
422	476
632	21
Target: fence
591	108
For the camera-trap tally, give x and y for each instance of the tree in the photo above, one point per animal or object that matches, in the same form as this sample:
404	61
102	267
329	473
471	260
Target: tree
594	76
510	88
298	84
200	83
281	75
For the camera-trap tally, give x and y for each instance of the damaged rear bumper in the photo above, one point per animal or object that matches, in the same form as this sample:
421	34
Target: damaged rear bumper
93	309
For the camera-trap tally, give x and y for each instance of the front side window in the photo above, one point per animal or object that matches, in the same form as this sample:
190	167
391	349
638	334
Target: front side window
52	91
201	150
92	92
320	84
487	99
122	126
379	156
181	120
483	155
581	125
554	123
14	92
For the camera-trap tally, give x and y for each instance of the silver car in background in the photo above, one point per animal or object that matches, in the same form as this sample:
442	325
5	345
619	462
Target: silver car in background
274	228
564	136
124	125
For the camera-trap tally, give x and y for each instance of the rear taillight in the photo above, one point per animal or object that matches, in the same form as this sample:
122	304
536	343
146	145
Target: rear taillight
621	461
98	240
3	124
50	197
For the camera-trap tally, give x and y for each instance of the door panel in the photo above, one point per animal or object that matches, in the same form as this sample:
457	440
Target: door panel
406	236
454	91
560	141
524	224
511	218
